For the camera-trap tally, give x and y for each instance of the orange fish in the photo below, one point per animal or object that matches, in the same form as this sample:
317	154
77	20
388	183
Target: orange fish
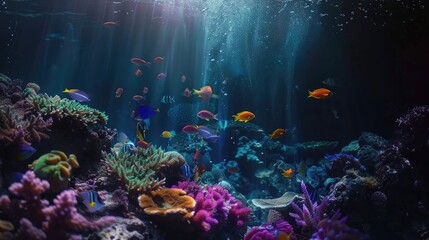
139	73
198	171
244	116
140	62
321	93
138	98
197	155
277	133
205	93
288	173
158	59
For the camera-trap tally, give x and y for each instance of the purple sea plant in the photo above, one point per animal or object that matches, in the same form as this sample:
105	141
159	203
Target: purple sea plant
309	216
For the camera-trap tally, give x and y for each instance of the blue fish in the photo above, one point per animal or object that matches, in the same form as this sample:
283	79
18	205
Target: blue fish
91	200
77	95
146	112
204	132
25	151
186	172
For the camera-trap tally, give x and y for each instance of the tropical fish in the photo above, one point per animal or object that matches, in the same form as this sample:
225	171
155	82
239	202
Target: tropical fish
110	24
168	134
140	62
122	137
91	200
138	98
205	93
158	59
183	78
321	93
24	152
244	116
145	90
190	129
187	93
77	95
142	144
186	171
138	73
206	115
287	173
282	235
119	92
277	133
168	99
161	76
197	155
146	112
204	131
330	82
140	131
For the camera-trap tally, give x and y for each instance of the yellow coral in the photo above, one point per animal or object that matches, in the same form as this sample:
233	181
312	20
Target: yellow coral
167	202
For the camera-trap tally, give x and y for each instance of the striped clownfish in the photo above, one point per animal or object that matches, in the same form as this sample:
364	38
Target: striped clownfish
91	200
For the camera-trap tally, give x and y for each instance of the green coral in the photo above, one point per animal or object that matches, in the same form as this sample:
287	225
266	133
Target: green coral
55	167
141	170
61	108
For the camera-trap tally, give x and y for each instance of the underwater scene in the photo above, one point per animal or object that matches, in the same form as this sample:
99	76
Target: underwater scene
214	119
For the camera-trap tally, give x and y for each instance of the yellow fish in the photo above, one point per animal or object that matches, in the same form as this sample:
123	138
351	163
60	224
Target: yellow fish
168	134
72	90
287	173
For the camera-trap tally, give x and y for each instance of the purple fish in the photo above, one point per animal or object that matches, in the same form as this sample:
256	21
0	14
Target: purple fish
25	151
204	132
79	95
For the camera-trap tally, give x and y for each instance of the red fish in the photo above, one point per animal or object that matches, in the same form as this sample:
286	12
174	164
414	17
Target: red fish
139	73
206	115
158	59
119	92
197	155
140	62
161	76
138	98
190	129
145	90
321	93
142	144
110	24
183	78
187	93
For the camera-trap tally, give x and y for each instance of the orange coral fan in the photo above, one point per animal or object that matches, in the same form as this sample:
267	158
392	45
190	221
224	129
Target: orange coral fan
167	202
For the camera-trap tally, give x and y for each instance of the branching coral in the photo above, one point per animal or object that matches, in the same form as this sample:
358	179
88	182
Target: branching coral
64	109
215	205
38	220
310	214
17	128
139	171
168	202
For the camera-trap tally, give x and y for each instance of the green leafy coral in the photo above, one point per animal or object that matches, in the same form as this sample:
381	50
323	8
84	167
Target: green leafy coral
143	169
62	108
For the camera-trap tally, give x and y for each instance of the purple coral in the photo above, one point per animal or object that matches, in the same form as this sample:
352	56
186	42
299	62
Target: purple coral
335	228
37	219
271	231
214	205
309	216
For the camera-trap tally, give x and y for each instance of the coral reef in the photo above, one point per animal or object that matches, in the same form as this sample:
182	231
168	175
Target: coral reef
39	220
373	140
215	206
315	175
248	150
123	228
271	231
141	171
55	167
282	202
335	228
309	216
340	163
62	109
351	148
168	202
